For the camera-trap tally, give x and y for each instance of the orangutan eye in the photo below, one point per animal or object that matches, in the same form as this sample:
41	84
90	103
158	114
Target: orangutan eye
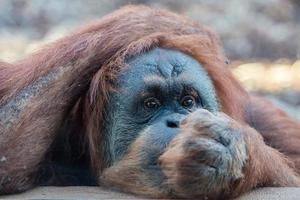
152	103
188	101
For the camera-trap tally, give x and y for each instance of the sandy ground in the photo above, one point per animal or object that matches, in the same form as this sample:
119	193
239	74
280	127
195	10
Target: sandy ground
93	193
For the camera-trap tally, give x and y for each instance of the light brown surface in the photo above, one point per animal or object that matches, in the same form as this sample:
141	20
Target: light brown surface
94	193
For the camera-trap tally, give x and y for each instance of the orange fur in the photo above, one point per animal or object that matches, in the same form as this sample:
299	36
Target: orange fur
92	58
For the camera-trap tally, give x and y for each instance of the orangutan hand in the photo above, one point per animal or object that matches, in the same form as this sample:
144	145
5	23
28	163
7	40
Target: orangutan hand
207	157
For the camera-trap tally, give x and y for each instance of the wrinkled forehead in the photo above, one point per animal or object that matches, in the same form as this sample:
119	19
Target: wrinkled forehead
166	63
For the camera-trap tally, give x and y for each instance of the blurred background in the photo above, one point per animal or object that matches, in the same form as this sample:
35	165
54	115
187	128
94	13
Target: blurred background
260	37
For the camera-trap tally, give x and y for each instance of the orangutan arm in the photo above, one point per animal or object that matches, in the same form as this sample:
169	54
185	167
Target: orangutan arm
278	129
29	122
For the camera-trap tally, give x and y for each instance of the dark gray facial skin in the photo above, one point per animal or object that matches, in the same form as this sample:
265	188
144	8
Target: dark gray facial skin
156	92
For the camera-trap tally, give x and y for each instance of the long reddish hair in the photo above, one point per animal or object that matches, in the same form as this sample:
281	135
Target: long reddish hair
105	45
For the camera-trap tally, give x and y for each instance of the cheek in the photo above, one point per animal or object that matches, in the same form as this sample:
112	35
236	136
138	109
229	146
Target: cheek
121	137
156	138
159	135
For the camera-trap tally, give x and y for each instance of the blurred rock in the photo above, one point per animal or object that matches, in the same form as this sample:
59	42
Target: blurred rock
288	100
249	29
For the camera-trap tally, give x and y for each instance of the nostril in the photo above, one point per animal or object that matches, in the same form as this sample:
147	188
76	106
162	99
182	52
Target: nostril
172	124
